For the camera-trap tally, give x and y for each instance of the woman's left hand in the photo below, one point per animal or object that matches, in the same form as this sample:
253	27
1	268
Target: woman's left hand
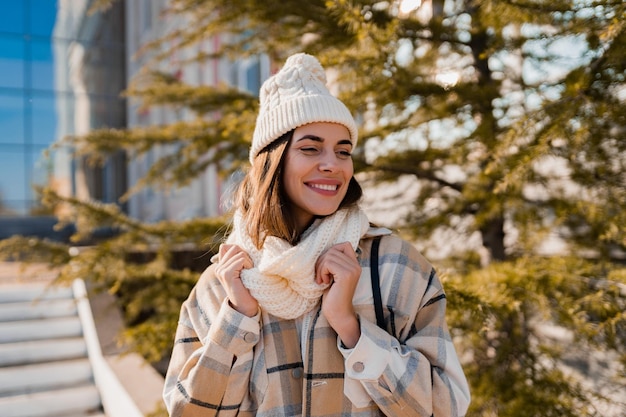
340	267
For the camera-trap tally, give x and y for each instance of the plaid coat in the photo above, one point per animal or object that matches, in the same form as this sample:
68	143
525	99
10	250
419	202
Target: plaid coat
224	363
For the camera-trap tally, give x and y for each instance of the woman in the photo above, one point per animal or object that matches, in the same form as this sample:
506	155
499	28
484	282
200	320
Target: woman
283	322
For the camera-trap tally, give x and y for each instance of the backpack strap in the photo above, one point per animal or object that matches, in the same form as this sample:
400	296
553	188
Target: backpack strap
378	303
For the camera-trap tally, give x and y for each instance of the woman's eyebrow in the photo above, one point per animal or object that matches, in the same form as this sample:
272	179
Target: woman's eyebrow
311	137
319	139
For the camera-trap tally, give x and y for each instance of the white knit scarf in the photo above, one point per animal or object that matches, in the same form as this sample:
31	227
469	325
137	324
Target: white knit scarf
283	277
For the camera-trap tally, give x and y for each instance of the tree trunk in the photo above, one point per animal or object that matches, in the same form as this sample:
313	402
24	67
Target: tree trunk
493	239
493	229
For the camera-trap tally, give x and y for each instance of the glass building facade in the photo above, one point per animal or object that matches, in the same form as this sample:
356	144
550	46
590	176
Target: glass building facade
61	73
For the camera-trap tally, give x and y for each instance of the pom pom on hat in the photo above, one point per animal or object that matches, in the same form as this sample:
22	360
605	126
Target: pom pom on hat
295	96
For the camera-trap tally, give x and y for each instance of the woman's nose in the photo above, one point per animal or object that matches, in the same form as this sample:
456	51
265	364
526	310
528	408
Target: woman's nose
328	162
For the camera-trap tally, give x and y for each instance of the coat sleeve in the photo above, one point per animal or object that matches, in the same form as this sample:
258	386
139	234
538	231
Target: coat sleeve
209	369
414	371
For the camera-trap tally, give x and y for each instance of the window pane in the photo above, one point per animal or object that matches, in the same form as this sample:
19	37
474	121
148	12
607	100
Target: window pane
12	17
11	62
42	17
11	119
44	119
12	180
42	65
253	77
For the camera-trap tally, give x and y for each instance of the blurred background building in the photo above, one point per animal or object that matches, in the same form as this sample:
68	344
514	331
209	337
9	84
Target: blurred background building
62	72
145	22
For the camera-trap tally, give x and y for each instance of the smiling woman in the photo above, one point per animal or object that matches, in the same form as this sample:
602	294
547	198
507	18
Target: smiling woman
283	322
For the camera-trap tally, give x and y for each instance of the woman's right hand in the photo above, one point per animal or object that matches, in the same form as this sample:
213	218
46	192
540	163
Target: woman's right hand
232	261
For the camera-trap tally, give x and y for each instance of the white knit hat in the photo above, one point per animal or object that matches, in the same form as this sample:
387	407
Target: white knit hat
295	96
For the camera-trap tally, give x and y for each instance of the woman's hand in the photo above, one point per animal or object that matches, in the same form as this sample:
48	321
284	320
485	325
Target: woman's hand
340	267
232	261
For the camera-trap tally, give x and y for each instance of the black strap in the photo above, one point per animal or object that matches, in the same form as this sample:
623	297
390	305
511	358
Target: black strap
378	302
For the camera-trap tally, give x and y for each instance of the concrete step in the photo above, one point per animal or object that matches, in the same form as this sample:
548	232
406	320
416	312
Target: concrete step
61	402
90	414
26	330
12	354
24	379
29	292
31	310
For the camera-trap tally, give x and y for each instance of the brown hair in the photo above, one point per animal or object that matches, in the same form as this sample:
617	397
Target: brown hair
262	199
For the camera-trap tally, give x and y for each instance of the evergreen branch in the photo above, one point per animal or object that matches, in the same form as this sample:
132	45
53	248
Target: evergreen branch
92	215
31	249
158	88
421	174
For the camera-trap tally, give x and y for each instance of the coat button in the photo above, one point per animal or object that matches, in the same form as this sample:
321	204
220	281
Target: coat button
297	373
358	367
249	337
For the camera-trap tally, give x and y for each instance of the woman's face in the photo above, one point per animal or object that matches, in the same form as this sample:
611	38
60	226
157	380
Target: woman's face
318	168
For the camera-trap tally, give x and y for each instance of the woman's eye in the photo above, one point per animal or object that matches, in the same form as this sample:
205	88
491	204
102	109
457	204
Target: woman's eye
345	154
308	150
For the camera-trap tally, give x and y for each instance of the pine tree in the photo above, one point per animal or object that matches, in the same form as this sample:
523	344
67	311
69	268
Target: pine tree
509	115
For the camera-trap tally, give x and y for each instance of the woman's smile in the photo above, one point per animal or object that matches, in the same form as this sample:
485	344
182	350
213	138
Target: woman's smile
324	188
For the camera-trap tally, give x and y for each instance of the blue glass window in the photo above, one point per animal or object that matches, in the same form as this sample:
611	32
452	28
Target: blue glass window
11	118
41	65
41	17
43	123
12	17
13	185
11	61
